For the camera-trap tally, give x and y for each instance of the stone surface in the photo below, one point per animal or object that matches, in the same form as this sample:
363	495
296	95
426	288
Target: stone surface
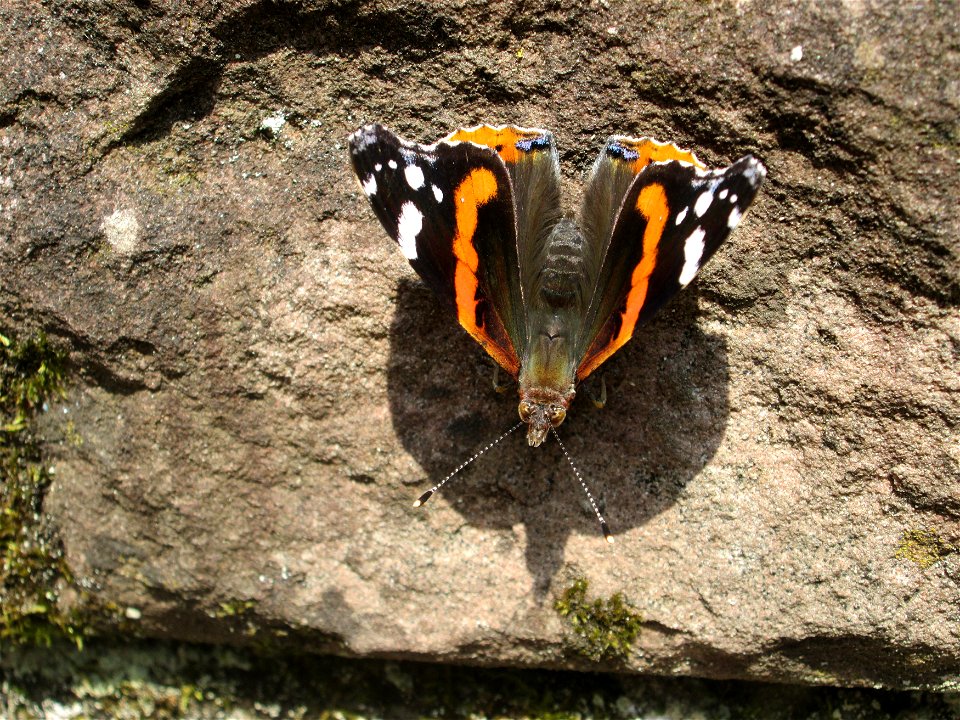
262	386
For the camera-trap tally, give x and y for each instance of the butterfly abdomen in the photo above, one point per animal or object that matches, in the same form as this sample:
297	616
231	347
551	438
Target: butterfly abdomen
561	277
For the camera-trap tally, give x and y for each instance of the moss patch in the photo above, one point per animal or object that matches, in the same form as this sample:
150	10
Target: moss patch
605	629
31	558
234	609
924	548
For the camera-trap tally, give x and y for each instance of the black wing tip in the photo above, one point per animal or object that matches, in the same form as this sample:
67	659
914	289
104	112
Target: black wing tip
751	168
365	136
373	134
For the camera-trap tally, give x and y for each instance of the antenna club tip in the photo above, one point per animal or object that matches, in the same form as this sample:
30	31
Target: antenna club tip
422	499
607	535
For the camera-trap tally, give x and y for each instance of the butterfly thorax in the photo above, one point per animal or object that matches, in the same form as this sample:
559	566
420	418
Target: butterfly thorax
548	367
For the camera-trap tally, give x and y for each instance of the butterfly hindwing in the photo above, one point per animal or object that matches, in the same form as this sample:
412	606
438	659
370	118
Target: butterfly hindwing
672	218
449	206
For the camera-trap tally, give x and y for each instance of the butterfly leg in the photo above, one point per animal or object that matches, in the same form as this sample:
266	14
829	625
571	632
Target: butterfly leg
600	402
497	385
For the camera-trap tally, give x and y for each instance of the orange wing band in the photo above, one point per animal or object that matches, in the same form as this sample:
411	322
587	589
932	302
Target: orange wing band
652	204
477	189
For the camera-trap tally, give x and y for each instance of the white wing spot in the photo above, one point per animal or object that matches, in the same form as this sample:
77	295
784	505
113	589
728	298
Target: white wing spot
734	218
682	215
733	198
722	194
414	176
437	193
703	203
392	164
378	167
692	252
409	225
370	185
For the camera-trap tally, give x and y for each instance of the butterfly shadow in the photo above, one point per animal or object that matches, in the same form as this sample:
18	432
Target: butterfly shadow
664	419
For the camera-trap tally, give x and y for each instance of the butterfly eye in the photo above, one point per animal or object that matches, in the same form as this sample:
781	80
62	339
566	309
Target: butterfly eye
526	409
557	414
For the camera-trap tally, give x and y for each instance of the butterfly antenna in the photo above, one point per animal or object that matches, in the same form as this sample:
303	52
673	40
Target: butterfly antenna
607	535
426	496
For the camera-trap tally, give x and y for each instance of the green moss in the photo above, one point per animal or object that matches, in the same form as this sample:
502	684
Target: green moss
605	629
923	547
236	608
31	559
240	615
32	371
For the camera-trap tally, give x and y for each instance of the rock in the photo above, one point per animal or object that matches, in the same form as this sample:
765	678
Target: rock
261	385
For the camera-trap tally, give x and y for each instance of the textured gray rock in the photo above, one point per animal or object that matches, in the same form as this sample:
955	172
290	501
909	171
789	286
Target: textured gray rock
262	386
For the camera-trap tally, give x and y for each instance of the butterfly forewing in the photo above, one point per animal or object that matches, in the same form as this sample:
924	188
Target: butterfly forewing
671	220
450	208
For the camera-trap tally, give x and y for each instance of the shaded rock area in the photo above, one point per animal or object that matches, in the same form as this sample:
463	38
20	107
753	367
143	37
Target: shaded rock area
260	385
165	681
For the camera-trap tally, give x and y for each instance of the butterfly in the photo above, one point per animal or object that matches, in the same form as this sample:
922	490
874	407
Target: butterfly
550	298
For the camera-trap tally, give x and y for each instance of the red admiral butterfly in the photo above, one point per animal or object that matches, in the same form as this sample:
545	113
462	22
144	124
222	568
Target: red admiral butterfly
478	216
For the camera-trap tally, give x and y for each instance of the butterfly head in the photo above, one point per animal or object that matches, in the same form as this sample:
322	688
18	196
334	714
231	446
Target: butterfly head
542	410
